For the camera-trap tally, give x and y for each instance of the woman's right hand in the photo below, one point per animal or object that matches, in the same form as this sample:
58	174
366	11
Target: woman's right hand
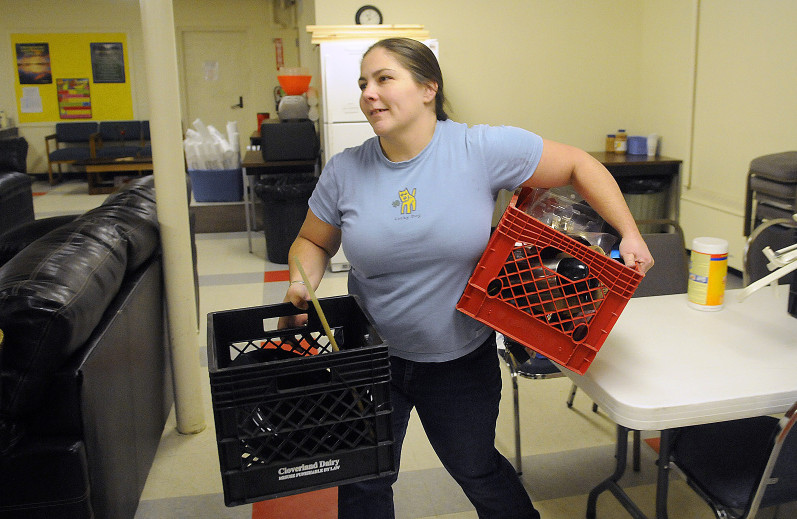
298	296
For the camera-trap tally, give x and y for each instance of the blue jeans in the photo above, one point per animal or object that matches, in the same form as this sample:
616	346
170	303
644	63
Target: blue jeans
457	403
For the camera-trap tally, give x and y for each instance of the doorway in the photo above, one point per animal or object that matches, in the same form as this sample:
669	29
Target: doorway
216	80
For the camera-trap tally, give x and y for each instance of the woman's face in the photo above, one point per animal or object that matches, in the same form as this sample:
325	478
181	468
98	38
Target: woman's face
391	99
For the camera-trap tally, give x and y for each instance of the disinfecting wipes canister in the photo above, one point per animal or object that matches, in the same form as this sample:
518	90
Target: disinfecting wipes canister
708	268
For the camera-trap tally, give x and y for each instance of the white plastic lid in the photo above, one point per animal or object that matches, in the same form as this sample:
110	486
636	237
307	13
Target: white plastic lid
708	245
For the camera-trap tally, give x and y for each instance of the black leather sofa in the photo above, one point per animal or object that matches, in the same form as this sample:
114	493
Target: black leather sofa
85	385
16	196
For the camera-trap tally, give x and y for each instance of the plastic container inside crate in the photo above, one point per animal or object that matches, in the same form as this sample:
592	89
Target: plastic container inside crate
516	290
291	415
562	213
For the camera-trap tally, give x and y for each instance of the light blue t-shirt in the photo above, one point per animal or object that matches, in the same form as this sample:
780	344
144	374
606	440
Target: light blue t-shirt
414	231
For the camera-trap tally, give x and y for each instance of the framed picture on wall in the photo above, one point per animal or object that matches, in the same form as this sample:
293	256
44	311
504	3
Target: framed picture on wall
33	63
107	62
74	99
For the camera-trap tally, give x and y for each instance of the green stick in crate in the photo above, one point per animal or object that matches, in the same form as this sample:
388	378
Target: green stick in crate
327	329
317	305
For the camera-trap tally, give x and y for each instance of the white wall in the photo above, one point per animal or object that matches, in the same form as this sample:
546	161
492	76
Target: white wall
745	107
716	78
569	74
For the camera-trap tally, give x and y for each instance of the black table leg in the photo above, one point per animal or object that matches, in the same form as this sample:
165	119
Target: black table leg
663	479
610	484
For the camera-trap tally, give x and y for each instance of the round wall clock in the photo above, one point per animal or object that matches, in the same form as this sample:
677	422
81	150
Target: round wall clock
368	15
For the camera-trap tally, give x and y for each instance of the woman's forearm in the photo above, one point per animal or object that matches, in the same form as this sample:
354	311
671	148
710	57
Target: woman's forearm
313	258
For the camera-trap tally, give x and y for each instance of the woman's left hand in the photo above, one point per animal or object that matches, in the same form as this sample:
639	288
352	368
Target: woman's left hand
635	253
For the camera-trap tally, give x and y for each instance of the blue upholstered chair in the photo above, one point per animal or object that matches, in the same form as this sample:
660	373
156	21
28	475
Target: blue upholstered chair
118	139
70	144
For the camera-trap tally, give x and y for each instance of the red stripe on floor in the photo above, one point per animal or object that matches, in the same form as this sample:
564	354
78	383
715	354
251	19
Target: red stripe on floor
320	504
654	443
276	275
39	193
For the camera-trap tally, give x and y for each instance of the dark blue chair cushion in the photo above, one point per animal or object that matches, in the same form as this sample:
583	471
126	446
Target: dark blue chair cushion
725	459
71	153
527	365
116	152
120	131
75	132
119	139
145	130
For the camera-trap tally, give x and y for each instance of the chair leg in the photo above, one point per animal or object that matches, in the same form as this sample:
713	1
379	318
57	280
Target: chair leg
572	395
52	179
516	403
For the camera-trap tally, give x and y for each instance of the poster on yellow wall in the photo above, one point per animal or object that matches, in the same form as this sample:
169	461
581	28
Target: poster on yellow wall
64	76
74	100
33	63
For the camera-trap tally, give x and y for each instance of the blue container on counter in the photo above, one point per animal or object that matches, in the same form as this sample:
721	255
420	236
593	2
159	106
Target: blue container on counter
223	185
637	145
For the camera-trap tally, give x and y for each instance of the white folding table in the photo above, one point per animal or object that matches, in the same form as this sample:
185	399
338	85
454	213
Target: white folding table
665	365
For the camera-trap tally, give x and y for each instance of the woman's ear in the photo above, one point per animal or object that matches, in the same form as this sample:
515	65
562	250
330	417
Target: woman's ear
431	91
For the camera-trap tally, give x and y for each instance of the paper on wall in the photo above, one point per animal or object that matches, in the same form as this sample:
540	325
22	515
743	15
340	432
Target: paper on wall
31	101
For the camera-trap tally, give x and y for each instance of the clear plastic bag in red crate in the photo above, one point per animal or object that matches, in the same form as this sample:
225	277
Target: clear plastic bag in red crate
516	291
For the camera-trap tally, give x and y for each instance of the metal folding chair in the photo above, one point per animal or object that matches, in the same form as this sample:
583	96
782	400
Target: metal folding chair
527	364
740	466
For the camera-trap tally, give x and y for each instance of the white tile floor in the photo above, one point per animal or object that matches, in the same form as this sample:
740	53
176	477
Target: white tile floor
565	451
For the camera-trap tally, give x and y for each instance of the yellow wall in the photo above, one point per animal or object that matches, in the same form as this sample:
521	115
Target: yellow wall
70	57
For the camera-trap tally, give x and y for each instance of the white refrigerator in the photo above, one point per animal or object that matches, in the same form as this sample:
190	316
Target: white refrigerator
343	124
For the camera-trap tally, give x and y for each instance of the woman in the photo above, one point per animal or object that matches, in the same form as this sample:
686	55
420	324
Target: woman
413	209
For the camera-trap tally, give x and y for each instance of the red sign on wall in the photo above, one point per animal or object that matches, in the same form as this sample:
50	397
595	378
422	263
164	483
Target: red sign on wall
279	53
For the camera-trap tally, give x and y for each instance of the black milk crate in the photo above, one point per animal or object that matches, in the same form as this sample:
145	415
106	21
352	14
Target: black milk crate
291	415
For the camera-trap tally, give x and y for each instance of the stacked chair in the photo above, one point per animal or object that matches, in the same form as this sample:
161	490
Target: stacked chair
771	189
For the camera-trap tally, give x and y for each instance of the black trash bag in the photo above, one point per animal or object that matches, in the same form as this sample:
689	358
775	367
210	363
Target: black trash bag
284	209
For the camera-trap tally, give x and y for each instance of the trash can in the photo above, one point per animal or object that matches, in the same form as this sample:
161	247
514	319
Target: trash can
284	209
647	199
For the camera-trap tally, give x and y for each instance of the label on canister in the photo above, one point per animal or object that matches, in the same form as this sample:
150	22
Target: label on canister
708	269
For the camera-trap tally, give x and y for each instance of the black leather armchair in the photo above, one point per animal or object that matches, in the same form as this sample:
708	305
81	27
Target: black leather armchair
85	385
16	195
16	200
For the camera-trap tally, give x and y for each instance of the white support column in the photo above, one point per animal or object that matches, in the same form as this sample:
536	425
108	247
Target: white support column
160	51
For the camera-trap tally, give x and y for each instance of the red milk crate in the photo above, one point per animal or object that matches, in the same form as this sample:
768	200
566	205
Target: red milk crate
513	292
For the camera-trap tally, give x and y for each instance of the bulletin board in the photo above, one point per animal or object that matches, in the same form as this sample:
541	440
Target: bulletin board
71	76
